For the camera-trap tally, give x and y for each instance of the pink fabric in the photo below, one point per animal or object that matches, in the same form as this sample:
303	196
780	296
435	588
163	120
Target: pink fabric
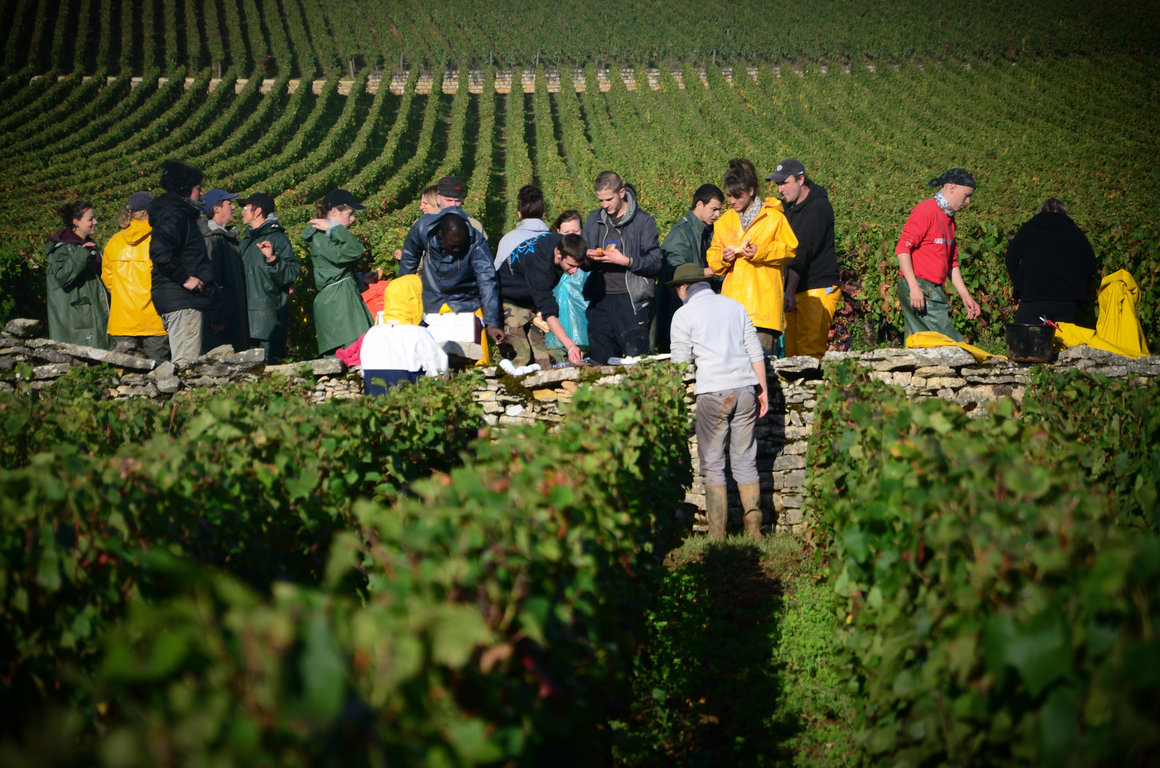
352	355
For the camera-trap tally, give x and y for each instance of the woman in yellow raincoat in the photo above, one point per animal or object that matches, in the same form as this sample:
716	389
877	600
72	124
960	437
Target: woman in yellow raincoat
126	271
752	243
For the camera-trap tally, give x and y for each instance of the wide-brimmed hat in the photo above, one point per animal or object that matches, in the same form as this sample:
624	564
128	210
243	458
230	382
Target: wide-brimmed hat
687	274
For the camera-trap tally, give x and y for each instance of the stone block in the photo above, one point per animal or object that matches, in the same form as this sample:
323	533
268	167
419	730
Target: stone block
796	448
50	371
24	328
932	371
785	462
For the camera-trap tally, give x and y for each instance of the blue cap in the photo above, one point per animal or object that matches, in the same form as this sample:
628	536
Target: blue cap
215	196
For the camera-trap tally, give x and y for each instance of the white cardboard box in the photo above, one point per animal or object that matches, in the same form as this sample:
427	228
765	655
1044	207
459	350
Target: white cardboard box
462	327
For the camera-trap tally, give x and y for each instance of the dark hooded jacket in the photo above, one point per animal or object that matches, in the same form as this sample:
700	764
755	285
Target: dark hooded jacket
1050	259
221	245
812	222
178	252
465	283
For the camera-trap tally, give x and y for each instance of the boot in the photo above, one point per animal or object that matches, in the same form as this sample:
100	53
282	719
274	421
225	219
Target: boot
715	510
751	503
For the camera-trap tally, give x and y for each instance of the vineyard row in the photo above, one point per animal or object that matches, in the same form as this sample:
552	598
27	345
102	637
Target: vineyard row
508	81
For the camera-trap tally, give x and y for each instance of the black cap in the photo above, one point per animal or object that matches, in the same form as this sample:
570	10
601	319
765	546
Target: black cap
260	199
785	169
338	197
452	186
140	201
954	176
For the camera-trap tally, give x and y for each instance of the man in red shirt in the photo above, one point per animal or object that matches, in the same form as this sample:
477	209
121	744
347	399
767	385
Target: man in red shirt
927	254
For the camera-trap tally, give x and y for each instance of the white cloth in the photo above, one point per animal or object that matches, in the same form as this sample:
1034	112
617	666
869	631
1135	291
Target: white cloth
402	348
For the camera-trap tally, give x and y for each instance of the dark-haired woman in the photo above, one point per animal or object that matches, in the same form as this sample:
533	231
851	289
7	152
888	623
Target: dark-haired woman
752	244
78	305
340	314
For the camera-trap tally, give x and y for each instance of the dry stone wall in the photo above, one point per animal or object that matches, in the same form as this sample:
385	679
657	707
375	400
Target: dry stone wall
783	435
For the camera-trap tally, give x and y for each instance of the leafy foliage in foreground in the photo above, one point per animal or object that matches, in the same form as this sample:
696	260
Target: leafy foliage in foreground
994	608
490	615
253	480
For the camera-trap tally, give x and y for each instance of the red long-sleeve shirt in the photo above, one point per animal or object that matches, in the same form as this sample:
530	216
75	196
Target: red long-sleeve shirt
929	237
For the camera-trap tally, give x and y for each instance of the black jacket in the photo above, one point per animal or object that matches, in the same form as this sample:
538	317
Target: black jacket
812	221
1050	259
528	277
178	251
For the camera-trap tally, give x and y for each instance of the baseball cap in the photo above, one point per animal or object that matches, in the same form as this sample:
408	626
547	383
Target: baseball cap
338	197
785	169
260	199
215	196
140	201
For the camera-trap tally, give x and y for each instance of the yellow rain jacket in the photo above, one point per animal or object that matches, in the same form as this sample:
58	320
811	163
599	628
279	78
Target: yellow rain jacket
758	283
403	301
126	271
1118	324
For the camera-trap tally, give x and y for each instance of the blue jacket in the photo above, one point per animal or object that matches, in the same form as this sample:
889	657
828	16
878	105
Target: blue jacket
465	283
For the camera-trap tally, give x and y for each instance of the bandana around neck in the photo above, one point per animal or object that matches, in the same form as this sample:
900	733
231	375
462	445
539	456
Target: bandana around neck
943	204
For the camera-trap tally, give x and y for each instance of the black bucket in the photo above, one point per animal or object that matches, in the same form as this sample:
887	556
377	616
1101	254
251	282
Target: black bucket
1030	343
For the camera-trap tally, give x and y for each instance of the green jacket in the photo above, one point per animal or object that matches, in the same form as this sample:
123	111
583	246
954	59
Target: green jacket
268	283
78	305
340	314
682	245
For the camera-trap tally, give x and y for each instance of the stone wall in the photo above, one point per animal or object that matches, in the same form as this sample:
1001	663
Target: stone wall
783	435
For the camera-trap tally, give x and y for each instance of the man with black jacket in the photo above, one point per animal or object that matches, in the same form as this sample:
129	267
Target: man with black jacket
812	290
526	281
182	275
624	255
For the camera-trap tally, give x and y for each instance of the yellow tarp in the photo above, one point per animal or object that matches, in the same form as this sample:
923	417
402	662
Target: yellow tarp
1118	324
936	339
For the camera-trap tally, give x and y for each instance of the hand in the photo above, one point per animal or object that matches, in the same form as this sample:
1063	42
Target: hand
917	299
574	354
749	251
728	255
496	334
398	257
192	284
790	302
320	224
973	309
762	402
267	249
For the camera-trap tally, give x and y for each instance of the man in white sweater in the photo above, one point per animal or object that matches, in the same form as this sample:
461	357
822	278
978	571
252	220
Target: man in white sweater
716	333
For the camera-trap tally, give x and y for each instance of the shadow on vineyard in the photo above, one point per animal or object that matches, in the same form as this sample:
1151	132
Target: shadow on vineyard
737	666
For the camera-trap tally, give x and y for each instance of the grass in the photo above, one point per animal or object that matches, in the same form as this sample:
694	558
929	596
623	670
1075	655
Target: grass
740	664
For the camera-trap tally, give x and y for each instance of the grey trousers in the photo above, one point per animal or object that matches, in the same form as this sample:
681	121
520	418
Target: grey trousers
727	415
184	329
